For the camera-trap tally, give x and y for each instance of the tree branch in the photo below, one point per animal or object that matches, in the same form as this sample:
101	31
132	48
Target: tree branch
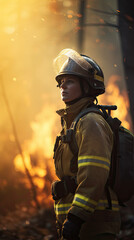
19	145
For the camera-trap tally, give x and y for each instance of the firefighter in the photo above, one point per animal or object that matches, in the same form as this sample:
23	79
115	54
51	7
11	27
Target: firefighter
81	195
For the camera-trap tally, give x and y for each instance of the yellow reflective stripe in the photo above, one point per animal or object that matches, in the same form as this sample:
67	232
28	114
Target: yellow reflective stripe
63	205
60	212
86	199
115	202
84	202
115	205
115	208
84	206
98	78
94	164
94	157
94	161
103	208
62	208
106	201
103	204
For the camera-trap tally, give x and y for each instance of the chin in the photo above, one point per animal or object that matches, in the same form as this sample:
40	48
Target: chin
65	100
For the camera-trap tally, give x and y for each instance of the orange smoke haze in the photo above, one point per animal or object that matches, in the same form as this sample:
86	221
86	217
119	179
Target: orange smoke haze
32	33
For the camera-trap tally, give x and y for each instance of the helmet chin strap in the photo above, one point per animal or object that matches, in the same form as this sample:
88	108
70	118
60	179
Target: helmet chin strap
77	99
82	87
73	101
85	88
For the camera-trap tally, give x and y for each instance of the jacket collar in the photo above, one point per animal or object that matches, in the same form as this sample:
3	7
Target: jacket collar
70	112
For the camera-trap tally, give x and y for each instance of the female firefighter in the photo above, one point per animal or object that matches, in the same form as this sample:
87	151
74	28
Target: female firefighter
81	204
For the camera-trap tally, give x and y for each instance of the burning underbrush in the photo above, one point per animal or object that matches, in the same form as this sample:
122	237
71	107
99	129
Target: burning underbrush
36	162
25	189
27	176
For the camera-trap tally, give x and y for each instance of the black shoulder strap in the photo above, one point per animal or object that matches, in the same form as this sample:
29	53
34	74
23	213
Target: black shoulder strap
104	110
93	108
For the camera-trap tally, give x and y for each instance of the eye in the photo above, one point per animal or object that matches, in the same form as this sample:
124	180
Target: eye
70	81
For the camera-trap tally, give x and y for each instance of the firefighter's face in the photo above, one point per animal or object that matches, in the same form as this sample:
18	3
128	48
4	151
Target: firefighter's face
70	88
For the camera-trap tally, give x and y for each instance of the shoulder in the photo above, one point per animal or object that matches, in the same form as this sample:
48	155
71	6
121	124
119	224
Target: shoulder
93	121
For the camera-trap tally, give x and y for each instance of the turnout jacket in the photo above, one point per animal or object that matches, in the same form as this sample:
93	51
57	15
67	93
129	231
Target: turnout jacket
94	138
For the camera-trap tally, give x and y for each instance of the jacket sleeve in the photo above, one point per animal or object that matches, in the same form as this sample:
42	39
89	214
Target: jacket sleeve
95	140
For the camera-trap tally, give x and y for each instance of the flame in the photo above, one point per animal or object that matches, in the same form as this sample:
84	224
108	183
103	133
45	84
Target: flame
20	166
38	152
115	96
37	172
43	129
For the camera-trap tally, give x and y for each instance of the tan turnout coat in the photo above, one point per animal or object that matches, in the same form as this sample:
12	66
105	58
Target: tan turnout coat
95	141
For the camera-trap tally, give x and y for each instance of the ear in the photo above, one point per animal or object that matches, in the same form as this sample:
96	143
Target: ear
86	87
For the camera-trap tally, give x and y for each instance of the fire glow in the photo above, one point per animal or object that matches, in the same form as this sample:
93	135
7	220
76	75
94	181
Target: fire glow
38	151
38	154
114	96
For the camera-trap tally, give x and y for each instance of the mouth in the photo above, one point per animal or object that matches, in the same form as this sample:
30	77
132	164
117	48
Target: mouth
64	93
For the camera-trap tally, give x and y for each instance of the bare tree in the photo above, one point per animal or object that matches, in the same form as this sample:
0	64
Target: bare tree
126	27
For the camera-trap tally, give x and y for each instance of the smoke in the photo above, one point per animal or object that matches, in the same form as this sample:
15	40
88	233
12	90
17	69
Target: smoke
32	33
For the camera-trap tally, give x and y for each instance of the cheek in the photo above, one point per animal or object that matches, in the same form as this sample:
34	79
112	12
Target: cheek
77	90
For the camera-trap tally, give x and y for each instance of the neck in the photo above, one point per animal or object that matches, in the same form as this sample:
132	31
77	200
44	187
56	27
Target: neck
73	101
77	99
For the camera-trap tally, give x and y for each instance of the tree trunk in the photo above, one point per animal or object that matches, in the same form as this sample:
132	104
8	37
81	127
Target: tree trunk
126	28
